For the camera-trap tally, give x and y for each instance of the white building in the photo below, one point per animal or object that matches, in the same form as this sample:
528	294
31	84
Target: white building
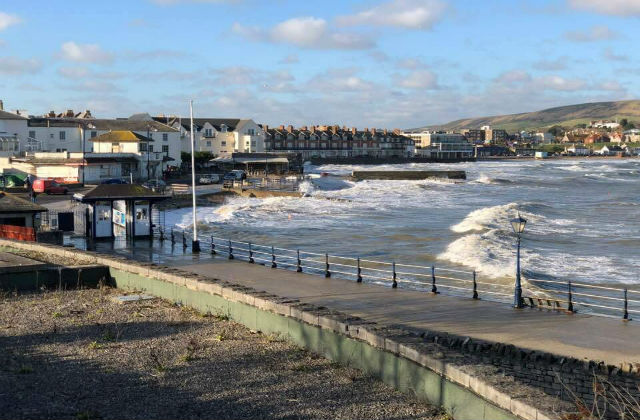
447	146
421	139
69	134
219	136
13	133
543	138
578	150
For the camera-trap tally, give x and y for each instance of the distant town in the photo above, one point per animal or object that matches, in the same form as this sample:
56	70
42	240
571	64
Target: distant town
80	147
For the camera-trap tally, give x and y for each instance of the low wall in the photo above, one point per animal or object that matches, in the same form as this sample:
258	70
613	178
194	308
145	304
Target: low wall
408	175
383	161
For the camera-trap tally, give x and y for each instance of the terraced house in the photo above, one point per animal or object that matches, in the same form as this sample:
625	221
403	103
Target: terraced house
219	136
322	141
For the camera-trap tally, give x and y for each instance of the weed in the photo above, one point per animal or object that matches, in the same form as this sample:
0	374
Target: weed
221	316
57	314
221	337
24	369
302	367
88	415
274	338
94	345
156	364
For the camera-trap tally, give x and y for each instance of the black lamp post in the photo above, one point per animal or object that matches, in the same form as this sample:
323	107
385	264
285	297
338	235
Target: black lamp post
518	225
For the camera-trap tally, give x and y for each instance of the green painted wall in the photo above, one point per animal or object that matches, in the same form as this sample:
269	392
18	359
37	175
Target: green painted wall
396	371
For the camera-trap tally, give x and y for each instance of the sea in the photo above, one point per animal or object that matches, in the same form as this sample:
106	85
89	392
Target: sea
582	218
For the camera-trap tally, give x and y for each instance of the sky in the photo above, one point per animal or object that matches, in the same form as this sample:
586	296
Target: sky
383	63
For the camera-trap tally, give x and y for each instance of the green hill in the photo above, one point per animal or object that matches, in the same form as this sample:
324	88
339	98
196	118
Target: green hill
566	116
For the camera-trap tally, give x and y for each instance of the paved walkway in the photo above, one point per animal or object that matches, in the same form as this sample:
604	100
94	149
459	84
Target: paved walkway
581	336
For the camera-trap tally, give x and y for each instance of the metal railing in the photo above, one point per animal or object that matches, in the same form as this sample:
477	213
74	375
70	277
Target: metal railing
562	296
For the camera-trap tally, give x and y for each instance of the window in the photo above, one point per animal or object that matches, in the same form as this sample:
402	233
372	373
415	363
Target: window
62	135
143	147
223	128
251	132
151	147
94	134
115	147
223	143
165	149
208	144
208	132
150	135
32	134
165	137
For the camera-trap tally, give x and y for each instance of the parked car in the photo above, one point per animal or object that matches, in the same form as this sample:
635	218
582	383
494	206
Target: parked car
235	175
114	181
157	185
49	186
209	179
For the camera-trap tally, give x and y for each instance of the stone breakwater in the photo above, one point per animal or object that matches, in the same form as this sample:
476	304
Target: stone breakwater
522	383
408	175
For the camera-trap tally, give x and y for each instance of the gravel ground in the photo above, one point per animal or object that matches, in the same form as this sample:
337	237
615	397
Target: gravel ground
80	355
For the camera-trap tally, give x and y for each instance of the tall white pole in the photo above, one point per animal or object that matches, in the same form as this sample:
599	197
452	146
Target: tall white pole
195	245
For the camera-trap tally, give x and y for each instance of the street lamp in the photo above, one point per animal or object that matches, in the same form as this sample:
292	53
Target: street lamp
148	147
518	225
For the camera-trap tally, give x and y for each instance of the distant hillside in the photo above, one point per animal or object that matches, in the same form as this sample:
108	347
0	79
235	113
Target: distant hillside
566	116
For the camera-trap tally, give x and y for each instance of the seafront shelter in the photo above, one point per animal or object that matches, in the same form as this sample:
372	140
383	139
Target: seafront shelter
119	211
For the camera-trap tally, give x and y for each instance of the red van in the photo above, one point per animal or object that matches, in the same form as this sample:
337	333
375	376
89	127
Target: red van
49	186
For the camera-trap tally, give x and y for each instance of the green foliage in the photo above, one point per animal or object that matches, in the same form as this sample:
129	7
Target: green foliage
551	148
199	157
556	130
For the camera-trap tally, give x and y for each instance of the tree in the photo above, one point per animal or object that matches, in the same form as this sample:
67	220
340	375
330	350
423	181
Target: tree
556	130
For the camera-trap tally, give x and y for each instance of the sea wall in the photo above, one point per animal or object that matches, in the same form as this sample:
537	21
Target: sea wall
464	368
408	175
400	358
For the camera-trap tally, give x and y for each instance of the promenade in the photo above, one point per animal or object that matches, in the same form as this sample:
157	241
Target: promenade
579	336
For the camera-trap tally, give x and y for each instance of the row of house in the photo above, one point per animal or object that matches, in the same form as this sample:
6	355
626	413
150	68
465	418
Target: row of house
322	141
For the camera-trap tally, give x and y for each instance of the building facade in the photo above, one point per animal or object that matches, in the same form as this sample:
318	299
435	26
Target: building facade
334	142
219	136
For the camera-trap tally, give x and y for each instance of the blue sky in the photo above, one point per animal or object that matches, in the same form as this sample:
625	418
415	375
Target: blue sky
383	63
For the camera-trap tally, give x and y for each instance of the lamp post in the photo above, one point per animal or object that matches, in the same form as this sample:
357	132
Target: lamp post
195	243
148	150
83	127
518	225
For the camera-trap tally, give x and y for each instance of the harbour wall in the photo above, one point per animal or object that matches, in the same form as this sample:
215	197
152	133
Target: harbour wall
408	175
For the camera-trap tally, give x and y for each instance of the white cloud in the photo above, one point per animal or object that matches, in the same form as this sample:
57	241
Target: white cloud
305	32
338	80
73	72
552	65
608	7
85	53
514	76
593	34
172	2
559	83
418	79
410	14
610	55
18	66
7	20
290	59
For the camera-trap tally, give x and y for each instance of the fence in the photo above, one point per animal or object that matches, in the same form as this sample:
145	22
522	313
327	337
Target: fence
568	297
17	232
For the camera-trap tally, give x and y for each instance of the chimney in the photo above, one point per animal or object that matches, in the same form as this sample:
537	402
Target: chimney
366	130
1	105
373	131
281	128
265	127
290	128
313	128
385	131
354	130
303	128
334	129
52	114
69	113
